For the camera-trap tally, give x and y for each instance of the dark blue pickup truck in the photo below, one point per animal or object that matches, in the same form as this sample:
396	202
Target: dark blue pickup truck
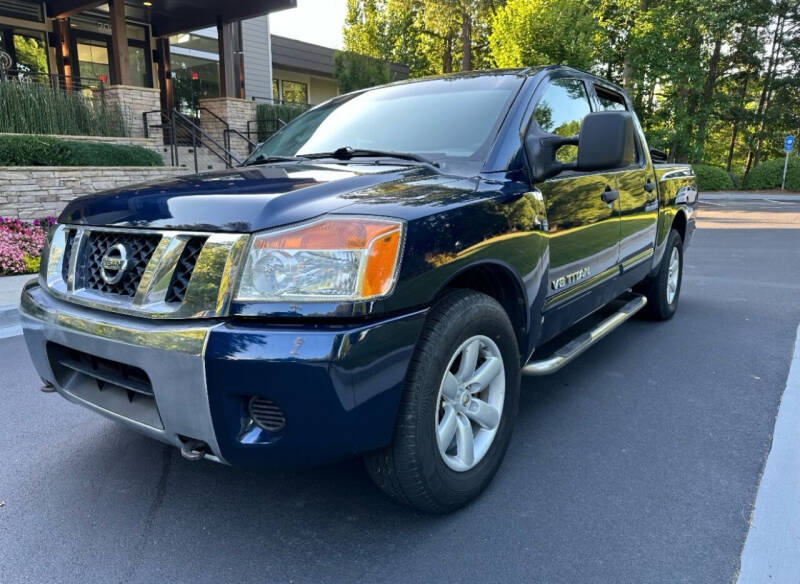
373	281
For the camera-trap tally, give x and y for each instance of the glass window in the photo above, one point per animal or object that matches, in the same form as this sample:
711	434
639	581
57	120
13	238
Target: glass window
294	92
561	110
610	100
276	92
440	118
93	60
138	67
193	79
31	52
27	50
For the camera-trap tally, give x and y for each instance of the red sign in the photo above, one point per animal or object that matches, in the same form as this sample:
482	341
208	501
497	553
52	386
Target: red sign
195	75
103	79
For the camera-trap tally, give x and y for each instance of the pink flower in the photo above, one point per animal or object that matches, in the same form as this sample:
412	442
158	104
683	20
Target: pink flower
19	240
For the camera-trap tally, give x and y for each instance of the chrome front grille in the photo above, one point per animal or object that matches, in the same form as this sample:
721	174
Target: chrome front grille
140	248
183	271
165	274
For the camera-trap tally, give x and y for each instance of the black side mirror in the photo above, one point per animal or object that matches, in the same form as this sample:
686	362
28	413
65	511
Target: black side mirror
606	141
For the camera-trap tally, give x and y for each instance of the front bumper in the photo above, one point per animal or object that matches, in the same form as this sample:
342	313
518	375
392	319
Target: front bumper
338	386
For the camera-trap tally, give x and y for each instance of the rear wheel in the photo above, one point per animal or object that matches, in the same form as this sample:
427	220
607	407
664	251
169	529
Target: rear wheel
663	289
458	407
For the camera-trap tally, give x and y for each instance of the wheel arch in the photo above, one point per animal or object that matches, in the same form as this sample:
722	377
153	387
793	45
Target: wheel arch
680	222
501	282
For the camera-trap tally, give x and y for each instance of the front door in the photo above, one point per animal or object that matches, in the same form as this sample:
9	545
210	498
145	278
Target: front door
583	228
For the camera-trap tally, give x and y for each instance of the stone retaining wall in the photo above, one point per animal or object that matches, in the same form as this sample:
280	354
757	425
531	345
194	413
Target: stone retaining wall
31	192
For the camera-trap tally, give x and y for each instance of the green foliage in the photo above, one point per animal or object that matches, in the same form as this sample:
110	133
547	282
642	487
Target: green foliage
715	81
429	36
48	151
35	108
353	71
269	117
545	32
32	264
712	178
768	175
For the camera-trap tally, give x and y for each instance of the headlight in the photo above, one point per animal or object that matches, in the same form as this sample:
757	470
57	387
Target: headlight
332	259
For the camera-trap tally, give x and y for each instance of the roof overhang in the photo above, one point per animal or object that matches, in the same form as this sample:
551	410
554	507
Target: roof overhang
173	16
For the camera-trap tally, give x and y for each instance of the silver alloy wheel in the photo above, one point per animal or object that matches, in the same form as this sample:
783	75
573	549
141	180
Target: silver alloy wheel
674	275
470	403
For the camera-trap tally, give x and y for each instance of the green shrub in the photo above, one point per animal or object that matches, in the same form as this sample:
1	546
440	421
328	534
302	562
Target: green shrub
32	264
712	178
768	175
48	151
34	108
268	115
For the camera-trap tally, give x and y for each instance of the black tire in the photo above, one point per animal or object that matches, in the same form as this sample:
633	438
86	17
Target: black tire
655	287
411	469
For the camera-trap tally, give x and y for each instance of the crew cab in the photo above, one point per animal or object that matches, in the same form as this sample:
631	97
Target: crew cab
373	281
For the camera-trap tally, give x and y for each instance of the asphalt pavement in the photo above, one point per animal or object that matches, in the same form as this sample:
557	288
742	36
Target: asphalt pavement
640	462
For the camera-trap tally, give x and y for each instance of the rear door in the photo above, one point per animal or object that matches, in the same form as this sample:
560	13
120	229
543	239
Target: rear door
583	229
638	195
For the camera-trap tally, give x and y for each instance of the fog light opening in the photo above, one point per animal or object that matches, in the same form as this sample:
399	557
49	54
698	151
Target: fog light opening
266	414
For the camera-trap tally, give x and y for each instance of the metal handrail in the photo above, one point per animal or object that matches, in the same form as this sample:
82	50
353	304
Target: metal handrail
242	135
172	122
176	115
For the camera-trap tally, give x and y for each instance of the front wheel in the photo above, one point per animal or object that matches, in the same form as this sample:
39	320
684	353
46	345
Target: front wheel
458	407
664	288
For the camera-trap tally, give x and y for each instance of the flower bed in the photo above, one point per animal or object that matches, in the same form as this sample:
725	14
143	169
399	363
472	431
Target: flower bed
21	245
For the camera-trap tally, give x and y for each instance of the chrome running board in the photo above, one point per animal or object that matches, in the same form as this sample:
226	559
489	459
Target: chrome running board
579	344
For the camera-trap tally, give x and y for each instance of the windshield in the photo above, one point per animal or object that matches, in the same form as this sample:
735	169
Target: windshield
438	119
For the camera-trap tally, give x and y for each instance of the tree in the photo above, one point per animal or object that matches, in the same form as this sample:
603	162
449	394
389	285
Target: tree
353	71
540	32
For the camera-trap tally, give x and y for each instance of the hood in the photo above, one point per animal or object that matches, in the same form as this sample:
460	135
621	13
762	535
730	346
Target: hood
246	199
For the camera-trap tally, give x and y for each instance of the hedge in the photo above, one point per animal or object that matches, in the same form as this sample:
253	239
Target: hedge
768	175
34	108
268	115
48	151
712	178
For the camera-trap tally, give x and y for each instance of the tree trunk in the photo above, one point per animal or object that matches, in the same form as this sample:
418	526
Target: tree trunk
447	55
736	122
466	41
706	98
753	155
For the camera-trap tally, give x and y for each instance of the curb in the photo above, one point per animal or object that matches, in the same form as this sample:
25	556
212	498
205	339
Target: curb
770	550
747	197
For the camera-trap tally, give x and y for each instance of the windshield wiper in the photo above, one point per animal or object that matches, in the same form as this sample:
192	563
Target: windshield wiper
266	159
346	153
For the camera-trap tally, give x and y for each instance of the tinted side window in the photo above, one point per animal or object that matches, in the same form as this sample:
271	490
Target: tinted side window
561	110
610	100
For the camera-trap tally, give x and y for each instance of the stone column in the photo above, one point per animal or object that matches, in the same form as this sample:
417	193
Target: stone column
134	101
236	112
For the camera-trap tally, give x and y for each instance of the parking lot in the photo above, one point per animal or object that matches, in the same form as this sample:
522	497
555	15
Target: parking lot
640	462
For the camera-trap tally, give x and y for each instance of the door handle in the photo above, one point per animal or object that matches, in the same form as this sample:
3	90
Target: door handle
649	186
609	196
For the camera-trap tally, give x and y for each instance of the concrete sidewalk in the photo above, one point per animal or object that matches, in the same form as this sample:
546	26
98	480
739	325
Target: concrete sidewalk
10	291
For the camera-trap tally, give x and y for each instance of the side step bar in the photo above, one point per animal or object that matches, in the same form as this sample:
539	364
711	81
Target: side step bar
579	344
